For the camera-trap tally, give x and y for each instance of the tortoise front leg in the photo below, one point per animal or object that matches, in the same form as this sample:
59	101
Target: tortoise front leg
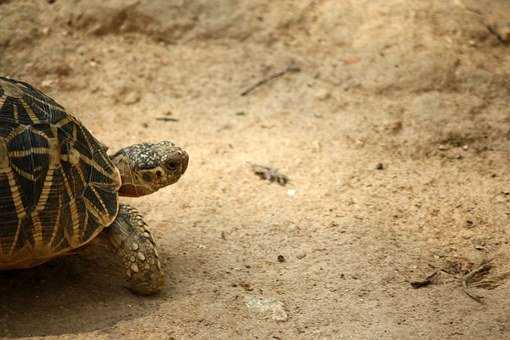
134	245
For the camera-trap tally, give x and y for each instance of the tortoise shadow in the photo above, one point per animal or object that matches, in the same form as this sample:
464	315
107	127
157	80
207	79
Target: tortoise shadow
73	294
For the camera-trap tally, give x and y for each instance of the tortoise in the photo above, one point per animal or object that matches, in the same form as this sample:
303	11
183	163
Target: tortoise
59	188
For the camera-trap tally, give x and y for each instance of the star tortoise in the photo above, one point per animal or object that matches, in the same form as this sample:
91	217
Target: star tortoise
59	188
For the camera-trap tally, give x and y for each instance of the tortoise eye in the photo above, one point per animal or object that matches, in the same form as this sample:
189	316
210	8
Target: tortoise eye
172	165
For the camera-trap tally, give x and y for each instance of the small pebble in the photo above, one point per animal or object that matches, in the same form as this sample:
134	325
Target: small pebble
379	166
267	307
291	192
131	97
47	82
502	31
322	94
301	255
280	258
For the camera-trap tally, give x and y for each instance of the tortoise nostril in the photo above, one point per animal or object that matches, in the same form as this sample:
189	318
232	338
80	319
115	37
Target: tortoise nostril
159	173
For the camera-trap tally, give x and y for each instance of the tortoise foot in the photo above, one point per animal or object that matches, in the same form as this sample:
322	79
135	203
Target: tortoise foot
134	244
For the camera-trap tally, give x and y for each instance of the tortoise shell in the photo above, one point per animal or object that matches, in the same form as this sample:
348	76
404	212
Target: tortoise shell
58	187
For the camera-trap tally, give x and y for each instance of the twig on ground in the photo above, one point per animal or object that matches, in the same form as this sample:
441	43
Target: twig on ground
467	279
167	119
428	280
291	68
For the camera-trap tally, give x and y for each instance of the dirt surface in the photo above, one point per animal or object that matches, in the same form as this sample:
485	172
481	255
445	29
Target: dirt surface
390	118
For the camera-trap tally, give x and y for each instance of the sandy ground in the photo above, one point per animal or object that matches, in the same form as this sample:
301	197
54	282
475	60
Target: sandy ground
393	128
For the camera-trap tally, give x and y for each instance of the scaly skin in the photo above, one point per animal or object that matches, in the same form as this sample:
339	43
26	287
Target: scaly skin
146	168
135	247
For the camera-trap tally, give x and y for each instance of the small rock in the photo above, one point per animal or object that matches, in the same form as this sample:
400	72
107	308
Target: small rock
271	307
279	314
301	255
396	127
316	146
47	82
280	258
502	31
246	286
132	97
322	94
379	166
500	199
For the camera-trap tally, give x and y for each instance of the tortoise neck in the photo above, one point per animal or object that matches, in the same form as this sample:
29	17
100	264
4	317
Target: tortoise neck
132	185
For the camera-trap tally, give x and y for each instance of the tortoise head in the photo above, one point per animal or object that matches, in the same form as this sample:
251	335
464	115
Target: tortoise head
145	168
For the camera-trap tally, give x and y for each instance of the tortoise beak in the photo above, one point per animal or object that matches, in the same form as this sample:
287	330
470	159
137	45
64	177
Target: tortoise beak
185	160
178	162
